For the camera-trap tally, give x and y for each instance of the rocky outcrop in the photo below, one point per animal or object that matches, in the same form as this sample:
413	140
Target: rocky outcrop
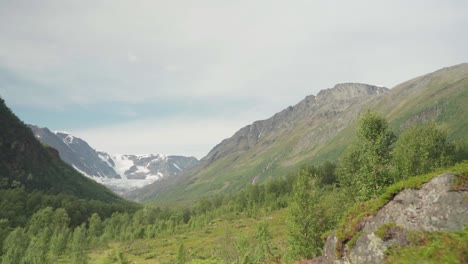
434	207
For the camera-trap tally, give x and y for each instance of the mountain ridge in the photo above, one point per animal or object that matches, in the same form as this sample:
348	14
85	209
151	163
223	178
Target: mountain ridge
256	139
120	173
318	129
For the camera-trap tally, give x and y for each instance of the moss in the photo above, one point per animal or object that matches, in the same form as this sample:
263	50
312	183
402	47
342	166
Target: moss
354	220
353	240
432	247
387	231
461	182
325	235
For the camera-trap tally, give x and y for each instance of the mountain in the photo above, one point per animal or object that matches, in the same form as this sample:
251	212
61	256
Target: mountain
318	129
77	153
120	173
151	166
26	163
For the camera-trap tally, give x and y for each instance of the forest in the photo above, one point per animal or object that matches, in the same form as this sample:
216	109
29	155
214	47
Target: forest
42	227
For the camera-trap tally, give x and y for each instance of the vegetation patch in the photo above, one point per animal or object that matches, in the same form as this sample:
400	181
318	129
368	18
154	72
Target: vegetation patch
432	247
358	215
388	231
461	182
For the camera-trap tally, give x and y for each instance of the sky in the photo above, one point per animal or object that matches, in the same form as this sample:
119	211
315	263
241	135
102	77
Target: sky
177	77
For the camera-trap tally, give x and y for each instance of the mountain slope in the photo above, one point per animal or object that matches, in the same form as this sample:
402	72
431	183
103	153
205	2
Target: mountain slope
317	129
120	173
24	162
76	152
267	148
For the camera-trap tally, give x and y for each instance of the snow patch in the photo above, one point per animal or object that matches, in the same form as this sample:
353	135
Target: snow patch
122	164
68	139
177	167
105	159
82	172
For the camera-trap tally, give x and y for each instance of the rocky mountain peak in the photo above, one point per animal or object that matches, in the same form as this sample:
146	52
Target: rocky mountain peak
326	104
347	91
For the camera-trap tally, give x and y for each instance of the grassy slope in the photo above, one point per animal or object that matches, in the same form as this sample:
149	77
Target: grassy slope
209	242
439	96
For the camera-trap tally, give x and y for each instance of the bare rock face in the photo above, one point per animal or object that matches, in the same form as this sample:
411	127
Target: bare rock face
434	207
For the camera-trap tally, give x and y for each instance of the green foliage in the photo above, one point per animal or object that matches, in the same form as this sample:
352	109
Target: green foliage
181	255
461	182
37	252
432	247
385	231
263	250
353	221
79	245
365	164
421	149
306	218
15	247
95	229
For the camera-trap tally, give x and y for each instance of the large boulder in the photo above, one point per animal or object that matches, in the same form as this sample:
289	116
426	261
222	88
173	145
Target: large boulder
433	207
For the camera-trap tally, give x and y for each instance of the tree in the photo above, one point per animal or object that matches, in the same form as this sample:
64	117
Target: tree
305	218
421	149
15	246
79	245
96	228
38	248
365	165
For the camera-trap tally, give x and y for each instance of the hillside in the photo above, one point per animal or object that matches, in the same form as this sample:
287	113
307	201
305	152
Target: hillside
25	162
317	129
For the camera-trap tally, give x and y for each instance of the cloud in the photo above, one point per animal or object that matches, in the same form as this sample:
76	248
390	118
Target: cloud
68	55
173	137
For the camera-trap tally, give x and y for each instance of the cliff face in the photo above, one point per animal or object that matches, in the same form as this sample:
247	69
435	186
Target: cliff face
434	207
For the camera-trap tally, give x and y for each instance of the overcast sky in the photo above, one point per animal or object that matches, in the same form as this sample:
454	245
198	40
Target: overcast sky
177	77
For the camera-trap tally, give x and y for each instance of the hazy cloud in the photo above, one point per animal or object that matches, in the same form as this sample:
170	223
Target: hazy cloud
64	54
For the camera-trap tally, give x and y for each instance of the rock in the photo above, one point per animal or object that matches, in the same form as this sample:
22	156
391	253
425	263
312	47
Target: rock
434	207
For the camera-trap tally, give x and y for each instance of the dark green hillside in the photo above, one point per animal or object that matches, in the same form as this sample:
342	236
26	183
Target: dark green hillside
24	162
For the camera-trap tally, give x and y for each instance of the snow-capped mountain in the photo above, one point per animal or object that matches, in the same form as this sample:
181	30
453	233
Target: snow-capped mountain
75	152
120	173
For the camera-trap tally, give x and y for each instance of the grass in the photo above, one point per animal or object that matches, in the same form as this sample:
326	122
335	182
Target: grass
386	231
208	244
353	222
432	247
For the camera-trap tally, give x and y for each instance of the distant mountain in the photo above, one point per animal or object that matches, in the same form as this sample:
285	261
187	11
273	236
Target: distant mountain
77	153
318	129
151	166
268	148
119	172
26	163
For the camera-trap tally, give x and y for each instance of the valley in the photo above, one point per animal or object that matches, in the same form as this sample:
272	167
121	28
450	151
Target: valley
304	184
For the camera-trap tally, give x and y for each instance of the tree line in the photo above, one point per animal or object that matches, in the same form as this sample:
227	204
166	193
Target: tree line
315	197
